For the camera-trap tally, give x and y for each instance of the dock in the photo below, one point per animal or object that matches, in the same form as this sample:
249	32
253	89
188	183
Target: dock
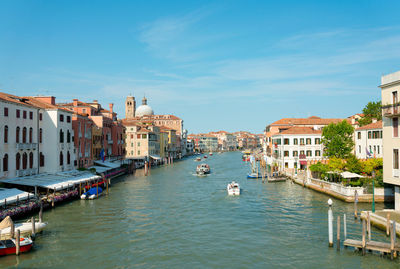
276	179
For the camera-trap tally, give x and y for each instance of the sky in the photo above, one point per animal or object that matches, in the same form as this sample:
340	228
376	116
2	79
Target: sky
219	65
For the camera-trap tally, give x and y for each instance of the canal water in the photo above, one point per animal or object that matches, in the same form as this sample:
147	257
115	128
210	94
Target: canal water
174	219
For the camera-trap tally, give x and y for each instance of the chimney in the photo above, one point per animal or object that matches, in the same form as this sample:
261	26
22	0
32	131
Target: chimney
111	109
75	102
95	101
47	99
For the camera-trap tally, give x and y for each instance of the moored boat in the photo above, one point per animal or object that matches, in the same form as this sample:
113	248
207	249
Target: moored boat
205	156
233	188
8	246
25	228
92	193
253	175
202	169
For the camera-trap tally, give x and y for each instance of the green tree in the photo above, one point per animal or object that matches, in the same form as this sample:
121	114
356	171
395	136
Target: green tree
353	164
371	111
338	139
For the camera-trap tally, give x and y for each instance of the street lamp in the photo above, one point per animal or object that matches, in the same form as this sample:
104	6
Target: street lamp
373	191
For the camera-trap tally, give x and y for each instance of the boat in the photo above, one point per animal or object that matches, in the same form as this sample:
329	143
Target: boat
198	159
8	246
210	153
205	156
233	188
25	228
92	193
202	169
254	175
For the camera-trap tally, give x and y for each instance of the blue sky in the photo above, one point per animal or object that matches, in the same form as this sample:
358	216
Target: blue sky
219	65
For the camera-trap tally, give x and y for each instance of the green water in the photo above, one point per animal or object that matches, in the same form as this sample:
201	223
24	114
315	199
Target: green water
173	219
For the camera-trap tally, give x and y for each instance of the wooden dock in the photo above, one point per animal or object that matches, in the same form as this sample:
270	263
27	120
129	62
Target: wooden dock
276	179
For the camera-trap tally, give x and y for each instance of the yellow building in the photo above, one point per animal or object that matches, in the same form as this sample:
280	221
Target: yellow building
97	133
164	144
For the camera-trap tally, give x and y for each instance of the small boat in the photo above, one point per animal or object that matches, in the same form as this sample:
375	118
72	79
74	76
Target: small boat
210	153
25	228
198	159
254	175
202	169
8	246
92	193
233	188
205	156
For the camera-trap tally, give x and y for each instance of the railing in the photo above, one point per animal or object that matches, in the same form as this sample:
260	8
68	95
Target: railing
110	141
22	146
391	110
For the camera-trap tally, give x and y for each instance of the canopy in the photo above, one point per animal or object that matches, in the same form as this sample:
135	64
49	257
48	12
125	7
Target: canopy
155	157
108	164
350	175
11	195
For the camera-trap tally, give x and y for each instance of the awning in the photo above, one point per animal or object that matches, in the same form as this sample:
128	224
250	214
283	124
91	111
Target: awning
11	195
155	157
108	164
350	175
303	162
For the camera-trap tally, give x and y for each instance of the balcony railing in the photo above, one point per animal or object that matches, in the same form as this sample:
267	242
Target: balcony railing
22	146
392	110
110	141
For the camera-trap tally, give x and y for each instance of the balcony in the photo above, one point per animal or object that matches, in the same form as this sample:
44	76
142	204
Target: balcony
392	110
110	142
22	146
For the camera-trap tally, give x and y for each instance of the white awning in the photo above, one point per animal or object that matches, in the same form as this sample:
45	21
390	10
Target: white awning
155	157
350	175
108	164
11	195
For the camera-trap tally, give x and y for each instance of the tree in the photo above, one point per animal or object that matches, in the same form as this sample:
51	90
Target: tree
338	139
353	164
371	111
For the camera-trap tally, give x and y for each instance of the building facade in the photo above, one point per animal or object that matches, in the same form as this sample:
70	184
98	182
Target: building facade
368	141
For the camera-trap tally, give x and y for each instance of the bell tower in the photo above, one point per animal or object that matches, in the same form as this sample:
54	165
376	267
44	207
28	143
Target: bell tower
130	107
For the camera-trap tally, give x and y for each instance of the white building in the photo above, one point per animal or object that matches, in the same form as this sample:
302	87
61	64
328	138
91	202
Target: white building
189	146
292	148
369	143
18	137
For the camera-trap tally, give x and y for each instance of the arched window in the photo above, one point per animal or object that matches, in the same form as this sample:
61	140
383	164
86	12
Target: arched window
24	135
24	160
61	136
68	158
17	135
5	163
30	134
31	160
61	159
40	135
6	134
41	159
68	137
17	161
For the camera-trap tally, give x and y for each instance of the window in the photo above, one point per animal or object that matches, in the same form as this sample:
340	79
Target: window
61	117
144	136
17	135
68	158
286	141
286	165
359	149
138	144
24	114
138	136
286	153
395	127
17	161
369	134
378	149
30	134
31	160
30	115
308	153
295	141
61	159
61	136
6	134
84	110
24	135
68	137
40	135
317	153
41	159
5	163
395	158
358	135
40	116
374	149
68	119
138	152
317	141
308	141
24	160
6	112
295	153
18	113
301	152
132	144
302	141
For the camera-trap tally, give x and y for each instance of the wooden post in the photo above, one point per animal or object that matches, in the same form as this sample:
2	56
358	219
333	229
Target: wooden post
344	226
36	192
97	189
355	204
5	203
107	185
17	242
363	237
369	226
33	227
17	199
338	234
330	224
80	189
387	224
12	230
392	237
41	212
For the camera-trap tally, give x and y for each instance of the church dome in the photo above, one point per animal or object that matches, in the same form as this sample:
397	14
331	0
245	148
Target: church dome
144	109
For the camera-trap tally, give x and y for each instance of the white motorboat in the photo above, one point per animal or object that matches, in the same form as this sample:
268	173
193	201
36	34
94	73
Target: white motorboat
25	228
202	169
233	188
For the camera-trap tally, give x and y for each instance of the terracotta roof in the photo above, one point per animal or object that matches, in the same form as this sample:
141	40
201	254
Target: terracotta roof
80	103
299	130
374	125
14	99
306	121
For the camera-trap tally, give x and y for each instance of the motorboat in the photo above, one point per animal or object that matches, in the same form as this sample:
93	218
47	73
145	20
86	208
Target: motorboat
233	188
210	153
202	169
198	159
25	228
8	246
205	156
92	193
254	175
